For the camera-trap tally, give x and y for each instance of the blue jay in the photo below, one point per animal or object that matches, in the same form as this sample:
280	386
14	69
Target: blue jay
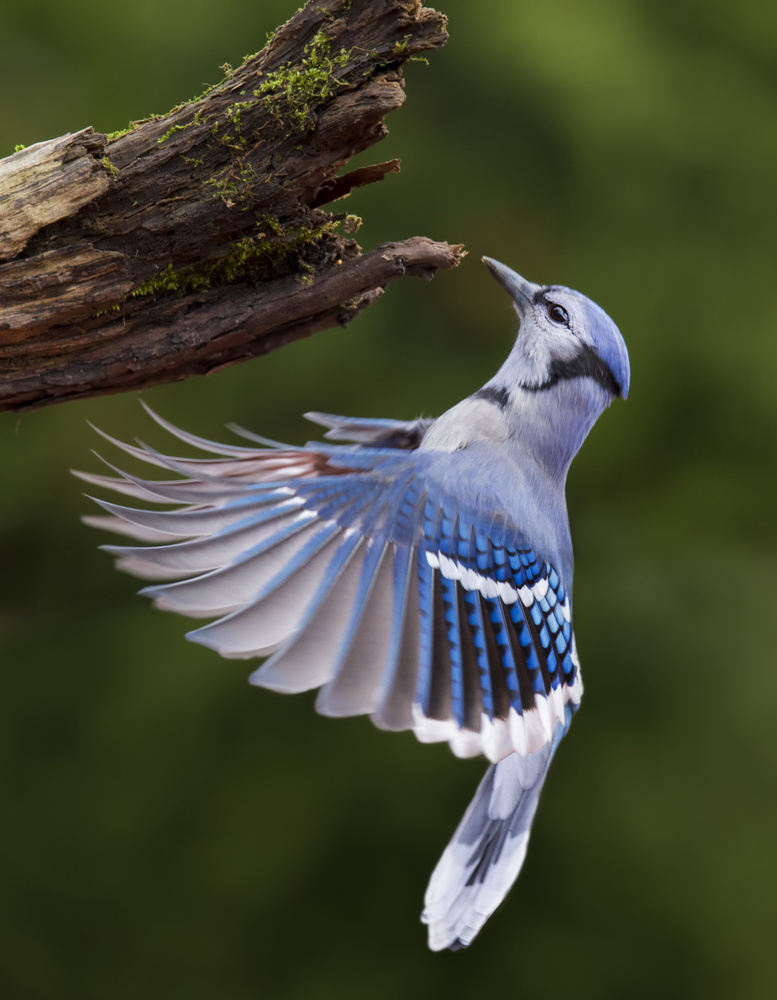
421	575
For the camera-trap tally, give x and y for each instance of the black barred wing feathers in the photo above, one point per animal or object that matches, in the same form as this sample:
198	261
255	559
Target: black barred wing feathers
496	636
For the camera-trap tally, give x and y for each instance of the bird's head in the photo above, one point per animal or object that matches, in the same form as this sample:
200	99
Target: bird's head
568	363
563	336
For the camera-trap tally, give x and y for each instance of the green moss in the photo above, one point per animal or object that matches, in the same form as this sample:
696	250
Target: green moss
236	186
277	242
332	15
109	167
185	280
233	139
275	249
135	125
271	224
181	128
306	274
294	90
228	72
19	147
234	112
122	131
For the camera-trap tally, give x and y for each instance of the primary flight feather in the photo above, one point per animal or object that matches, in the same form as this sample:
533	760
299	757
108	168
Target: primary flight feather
422	575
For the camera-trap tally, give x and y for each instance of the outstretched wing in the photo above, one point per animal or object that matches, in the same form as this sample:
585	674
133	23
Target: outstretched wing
353	572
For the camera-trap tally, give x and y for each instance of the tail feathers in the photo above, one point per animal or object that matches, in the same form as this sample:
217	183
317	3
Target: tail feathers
483	859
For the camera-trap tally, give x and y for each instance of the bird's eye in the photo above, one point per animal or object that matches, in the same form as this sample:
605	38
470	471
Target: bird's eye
558	314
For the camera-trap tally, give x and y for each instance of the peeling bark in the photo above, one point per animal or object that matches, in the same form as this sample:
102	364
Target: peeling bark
198	239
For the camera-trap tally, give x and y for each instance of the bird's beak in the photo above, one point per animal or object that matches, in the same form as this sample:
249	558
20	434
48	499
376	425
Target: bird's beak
520	290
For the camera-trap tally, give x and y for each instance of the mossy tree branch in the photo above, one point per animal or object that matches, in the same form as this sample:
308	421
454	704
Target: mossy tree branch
197	239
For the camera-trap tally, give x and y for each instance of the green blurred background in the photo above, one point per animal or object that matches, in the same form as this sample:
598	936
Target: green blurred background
167	831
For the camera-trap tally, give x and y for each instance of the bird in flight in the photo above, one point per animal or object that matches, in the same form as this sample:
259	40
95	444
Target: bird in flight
420	574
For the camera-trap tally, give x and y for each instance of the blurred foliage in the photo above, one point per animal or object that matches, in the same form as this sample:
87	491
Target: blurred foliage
169	832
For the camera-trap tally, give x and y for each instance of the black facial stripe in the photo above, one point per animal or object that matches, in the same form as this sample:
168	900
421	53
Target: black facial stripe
499	396
585	364
540	297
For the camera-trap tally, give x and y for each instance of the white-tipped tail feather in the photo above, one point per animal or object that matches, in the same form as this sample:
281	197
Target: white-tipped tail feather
482	861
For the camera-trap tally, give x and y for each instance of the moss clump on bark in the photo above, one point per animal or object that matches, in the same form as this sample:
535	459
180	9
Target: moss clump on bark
294	90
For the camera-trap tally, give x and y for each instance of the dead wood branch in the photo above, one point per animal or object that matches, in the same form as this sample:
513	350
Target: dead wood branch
197	239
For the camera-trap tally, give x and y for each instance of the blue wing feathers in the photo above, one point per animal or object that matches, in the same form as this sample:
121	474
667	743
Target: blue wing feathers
499	620
455	629
499	688
438	704
232	588
387	433
306	661
262	625
471	601
421	612
425	621
357	671
472	708
232	543
400	683
401	571
454	634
